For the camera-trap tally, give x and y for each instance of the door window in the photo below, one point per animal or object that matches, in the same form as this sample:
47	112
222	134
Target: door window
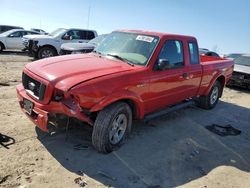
173	52
16	34
72	35
90	35
86	35
193	53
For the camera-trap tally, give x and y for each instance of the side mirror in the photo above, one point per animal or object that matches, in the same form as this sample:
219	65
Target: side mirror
163	64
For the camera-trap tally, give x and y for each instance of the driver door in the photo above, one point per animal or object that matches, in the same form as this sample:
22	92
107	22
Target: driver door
169	86
14	40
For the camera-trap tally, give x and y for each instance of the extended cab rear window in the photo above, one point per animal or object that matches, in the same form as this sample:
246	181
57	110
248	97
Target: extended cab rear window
193	53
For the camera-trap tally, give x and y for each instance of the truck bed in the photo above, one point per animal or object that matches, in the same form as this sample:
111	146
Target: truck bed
209	59
212	67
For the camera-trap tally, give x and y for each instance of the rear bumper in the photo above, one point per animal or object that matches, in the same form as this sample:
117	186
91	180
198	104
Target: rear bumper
41	113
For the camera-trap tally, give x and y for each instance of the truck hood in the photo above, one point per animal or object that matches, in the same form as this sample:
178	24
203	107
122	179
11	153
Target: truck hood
77	46
64	72
242	68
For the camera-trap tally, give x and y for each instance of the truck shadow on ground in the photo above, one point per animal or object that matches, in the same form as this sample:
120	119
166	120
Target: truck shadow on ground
167	152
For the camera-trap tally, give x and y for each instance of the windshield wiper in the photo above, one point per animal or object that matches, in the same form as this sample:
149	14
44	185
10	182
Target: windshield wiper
121	58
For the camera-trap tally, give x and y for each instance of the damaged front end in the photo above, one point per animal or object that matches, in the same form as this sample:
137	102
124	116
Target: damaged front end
53	106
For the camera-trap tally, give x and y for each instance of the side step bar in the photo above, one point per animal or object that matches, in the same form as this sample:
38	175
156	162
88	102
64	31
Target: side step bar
168	110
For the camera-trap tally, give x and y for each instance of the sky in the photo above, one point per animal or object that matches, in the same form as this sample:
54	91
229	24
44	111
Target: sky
220	25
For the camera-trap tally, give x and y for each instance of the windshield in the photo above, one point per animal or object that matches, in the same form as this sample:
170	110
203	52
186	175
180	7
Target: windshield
58	32
135	48
243	60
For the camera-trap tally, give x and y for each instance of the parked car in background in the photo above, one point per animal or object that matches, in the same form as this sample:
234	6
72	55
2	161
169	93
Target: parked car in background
39	31
241	73
79	48
130	75
12	39
204	51
233	55
4	28
49	45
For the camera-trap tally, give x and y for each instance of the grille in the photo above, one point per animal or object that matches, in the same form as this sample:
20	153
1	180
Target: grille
30	44
33	86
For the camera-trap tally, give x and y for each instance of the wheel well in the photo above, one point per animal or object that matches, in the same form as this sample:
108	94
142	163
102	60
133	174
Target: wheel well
2	45
50	46
132	105
221	79
130	102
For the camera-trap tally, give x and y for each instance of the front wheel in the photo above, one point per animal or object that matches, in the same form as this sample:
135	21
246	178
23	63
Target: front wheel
210	101
45	52
112	127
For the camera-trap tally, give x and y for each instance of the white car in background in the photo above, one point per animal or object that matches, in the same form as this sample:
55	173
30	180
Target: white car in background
42	32
49	45
12	39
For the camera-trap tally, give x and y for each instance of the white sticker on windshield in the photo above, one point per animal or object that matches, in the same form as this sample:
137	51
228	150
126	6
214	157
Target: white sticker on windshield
145	38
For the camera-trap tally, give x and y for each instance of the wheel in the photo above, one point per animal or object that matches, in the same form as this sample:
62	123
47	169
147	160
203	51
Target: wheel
1	46
210	101
46	51
112	127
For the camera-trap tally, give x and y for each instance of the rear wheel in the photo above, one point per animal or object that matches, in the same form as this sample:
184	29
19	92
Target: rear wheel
210	101
1	46
46	51
112	127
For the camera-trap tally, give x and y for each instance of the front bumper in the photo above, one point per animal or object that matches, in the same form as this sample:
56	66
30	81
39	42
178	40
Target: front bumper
32	48
41	113
240	80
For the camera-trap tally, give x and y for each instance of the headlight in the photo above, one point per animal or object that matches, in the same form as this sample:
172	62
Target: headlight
58	95
76	52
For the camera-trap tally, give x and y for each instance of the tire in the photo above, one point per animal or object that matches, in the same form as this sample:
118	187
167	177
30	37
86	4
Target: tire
112	127
210	101
45	52
1	47
34	55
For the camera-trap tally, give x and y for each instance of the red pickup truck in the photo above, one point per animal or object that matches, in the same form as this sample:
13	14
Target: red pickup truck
130	75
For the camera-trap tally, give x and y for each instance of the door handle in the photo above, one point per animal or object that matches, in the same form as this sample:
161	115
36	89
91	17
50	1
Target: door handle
185	75
80	41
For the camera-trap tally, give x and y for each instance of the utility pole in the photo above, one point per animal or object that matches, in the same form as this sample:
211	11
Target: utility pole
88	16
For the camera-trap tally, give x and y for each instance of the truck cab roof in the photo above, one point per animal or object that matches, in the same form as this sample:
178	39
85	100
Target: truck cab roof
158	34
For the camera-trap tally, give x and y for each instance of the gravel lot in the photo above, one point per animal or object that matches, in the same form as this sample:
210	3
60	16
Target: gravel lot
175	150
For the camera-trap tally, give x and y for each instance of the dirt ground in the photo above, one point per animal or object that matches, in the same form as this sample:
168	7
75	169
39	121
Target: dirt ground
173	151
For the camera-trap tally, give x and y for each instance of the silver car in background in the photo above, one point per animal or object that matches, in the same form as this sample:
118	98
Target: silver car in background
241	73
12	39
